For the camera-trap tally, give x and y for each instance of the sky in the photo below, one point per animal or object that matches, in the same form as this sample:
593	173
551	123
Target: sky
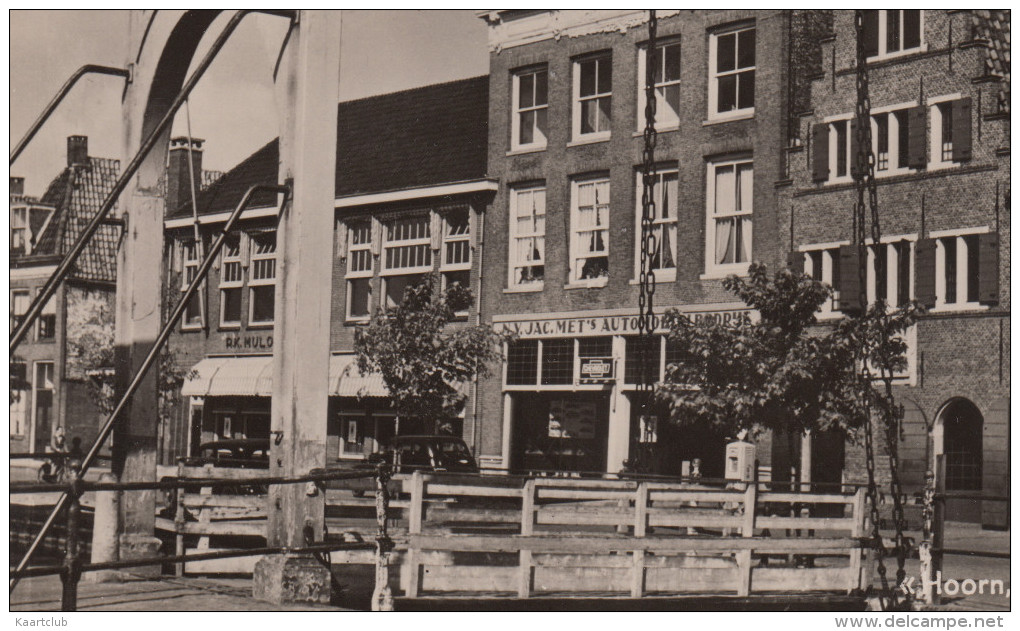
232	108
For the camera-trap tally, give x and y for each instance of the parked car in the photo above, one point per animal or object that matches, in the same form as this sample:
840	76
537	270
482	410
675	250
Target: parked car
407	454
239	453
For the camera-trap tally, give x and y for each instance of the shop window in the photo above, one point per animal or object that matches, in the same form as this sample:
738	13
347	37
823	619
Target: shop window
42	402
522	363
407	255
19	398
666	75
730	210
231	281
593	97
190	258
19	306
664	225
359	270
731	73
362	433
889	32
531	109
527	237
589	244
263	277
48	320
557	362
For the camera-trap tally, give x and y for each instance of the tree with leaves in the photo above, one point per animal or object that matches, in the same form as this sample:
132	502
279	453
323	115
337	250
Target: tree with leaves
783	372
421	358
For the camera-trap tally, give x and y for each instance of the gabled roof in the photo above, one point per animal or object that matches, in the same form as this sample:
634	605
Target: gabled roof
436	134
76	195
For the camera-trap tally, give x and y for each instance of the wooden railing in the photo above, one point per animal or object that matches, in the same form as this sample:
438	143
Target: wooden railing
628	537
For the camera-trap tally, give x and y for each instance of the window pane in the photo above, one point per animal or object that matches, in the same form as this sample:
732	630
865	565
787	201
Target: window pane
263	301
892	30
745	48
587	70
633	368
527	128
841	147
911	28
522	362
595	347
903	159
397	285
745	187
667	106
726	53
557	362
725	242
724	190
360	297
727	93
605	113
589	117
672	62
231	307
541	88
540	125
949	247
605	75
746	90
971	242
882	142
526	88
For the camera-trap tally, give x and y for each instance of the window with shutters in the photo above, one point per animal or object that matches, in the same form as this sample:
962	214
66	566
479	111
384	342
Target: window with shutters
840	143
821	263
231	281
407	255
731	73
966	270
950	131
531	108
666	71
593	97
898	137
893	32
890	139
730	217
359	269
527	238
589	238
895	286
664	222
262	281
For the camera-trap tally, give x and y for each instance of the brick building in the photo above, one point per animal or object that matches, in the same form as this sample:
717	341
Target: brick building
49	377
939	88
411	195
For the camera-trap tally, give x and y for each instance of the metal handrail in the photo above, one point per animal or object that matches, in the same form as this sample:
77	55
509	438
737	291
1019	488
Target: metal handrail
69	259
147	363
55	101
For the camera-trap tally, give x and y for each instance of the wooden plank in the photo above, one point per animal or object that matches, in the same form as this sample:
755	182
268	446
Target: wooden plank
856	561
625	561
468	578
559	543
567	517
641	510
710	497
681	520
744	573
528	508
585	579
226	501
584	494
576	483
750	510
232	565
417	494
226	528
412	569
445	514
221	473
800	580
473	491
807	523
525	571
637	584
690	580
806	498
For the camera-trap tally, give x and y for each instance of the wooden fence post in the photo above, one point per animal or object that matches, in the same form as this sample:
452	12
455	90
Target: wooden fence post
858	531
414	528
924	549
744	557
525	579
637	584
180	519
938	523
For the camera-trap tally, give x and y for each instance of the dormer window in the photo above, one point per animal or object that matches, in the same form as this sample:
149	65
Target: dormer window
27	225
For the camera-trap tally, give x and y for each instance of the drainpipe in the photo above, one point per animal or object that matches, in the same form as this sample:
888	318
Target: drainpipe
475	434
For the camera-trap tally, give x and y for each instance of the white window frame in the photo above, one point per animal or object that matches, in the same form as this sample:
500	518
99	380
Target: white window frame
49	309
15	317
833	121
714	74
935	151
229	260
190	263
661	123
18	411
254	257
518	111
660	225
828	250
35	397
891	269
351	275
962	269
600	134
449	238
517	237
894	138
721	270
28	236
883	26
387	272
577	230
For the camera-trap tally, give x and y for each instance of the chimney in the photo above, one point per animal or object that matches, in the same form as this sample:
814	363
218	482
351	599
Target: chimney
77	150
17	186
178	184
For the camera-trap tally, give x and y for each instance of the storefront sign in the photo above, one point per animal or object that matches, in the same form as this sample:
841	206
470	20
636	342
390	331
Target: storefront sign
613	324
596	369
249	342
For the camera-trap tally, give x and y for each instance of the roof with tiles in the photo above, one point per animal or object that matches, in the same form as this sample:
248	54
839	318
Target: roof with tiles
426	136
77	194
992	25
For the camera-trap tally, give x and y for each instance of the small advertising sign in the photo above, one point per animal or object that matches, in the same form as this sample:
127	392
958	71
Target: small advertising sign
596	369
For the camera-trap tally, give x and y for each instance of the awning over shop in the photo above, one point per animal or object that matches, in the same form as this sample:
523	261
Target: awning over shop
253	376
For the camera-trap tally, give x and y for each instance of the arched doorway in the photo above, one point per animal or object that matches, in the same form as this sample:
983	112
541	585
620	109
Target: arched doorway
959	437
